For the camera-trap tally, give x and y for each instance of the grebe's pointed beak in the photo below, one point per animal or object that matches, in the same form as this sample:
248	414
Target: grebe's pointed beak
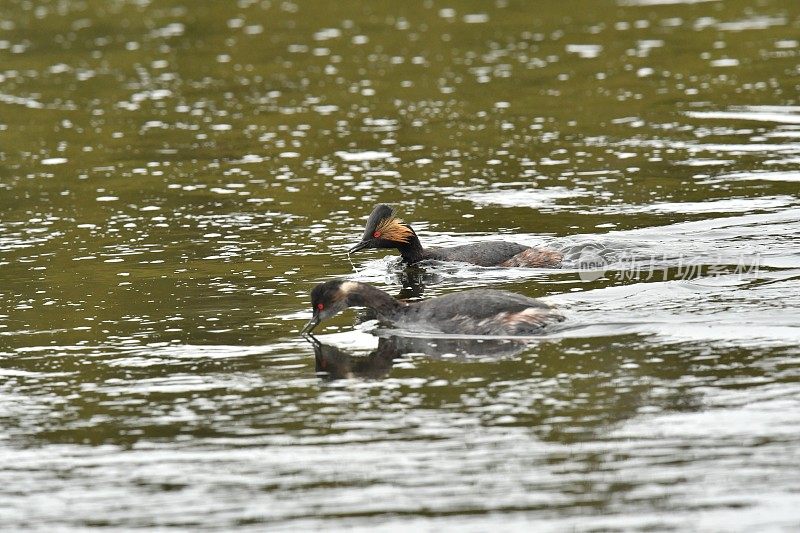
359	246
310	325
312	340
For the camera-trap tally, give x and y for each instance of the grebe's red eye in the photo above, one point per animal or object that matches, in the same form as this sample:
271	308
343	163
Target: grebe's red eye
377	234
320	307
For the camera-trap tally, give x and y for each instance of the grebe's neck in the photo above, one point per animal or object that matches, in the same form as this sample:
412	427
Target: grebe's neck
363	295
412	251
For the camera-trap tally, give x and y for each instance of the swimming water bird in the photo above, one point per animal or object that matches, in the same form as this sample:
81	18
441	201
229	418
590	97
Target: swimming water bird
385	230
472	312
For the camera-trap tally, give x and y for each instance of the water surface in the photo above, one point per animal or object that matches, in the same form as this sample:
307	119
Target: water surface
176	176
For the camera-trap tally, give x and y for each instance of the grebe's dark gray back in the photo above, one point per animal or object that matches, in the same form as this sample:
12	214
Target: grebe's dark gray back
473	312
385	230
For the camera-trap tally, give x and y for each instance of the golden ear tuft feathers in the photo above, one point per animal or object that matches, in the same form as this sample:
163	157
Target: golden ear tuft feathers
392	229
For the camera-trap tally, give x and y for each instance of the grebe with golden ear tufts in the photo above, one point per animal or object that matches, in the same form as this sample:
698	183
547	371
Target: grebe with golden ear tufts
385	230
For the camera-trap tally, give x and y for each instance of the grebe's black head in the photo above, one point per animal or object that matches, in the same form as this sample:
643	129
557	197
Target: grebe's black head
328	299
384	230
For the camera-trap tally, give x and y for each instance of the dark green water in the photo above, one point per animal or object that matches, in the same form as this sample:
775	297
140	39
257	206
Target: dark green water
176	176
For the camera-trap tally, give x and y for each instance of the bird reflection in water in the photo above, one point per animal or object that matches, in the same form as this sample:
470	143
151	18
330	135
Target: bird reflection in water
334	363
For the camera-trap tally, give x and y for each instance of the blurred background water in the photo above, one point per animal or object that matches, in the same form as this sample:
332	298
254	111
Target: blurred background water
176	176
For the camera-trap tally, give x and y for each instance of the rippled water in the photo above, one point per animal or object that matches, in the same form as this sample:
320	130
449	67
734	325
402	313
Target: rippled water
176	176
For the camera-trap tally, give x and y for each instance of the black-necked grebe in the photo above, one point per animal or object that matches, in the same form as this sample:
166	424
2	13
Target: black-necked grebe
385	230
473	312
